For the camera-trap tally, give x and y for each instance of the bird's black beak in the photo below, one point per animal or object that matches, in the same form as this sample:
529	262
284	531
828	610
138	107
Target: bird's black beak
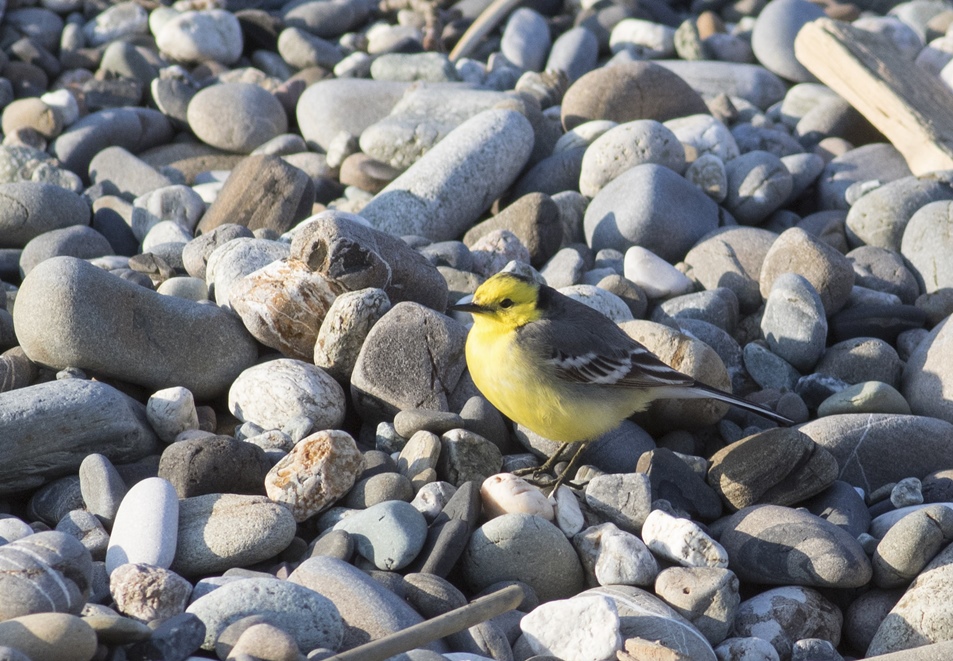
472	308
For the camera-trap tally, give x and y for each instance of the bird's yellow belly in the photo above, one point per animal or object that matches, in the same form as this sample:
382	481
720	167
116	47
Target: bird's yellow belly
567	413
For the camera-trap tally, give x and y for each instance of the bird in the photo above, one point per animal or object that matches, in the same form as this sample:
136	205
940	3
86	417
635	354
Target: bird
563	369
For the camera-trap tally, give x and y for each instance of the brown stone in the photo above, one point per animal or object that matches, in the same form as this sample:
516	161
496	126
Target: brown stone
534	219
629	91
262	191
777	466
796	251
283	305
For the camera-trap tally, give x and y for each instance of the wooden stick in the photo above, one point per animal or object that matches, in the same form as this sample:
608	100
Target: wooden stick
423	633
488	19
910	106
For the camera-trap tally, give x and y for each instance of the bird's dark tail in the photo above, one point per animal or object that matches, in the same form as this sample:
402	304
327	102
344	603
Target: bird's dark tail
701	390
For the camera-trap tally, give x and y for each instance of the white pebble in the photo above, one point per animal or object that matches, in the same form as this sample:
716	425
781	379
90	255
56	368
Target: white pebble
146	527
505	493
569	517
613	556
580	629
682	541
172	411
654	275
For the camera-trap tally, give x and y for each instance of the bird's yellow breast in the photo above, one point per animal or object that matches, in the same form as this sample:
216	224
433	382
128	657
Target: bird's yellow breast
528	392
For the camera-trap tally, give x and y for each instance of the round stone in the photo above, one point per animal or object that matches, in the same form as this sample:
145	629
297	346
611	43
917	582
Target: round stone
508	547
389	534
271	393
197	36
236	117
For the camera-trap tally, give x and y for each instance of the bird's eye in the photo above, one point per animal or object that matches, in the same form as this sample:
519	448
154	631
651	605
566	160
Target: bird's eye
506	303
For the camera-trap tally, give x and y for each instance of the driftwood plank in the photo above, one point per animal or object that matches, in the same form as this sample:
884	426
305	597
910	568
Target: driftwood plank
910	106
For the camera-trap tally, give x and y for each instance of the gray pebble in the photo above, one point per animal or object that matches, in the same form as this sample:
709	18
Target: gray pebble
369	610
526	40
302	49
629	210
254	116
389	534
313	618
625	499
794	323
77	241
835	558
46	572
30	209
88	530
487	151
508	547
758	183
65	423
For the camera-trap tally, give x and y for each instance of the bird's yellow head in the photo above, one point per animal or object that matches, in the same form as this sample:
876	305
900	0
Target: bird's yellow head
505	298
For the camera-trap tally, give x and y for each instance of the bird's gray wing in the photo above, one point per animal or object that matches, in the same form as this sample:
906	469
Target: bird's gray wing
598	354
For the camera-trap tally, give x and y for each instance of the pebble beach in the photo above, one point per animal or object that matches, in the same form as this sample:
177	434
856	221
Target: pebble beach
236	420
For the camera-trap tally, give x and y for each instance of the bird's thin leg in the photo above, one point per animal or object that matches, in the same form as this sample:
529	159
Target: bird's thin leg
569	469
547	465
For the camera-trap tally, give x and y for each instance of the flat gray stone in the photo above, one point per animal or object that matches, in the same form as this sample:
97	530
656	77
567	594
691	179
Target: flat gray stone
828	556
311	618
47	430
220	531
369	610
29	209
874	449
71	314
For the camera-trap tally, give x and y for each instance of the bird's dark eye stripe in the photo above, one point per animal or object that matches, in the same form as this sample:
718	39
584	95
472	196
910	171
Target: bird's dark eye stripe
506	303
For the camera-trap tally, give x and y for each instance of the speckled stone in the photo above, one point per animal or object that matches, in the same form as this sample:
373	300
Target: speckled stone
318	471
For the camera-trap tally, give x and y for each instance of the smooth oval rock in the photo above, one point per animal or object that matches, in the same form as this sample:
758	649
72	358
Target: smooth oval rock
634	209
236	117
505	548
199	347
146	525
815	552
220	531
31	209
